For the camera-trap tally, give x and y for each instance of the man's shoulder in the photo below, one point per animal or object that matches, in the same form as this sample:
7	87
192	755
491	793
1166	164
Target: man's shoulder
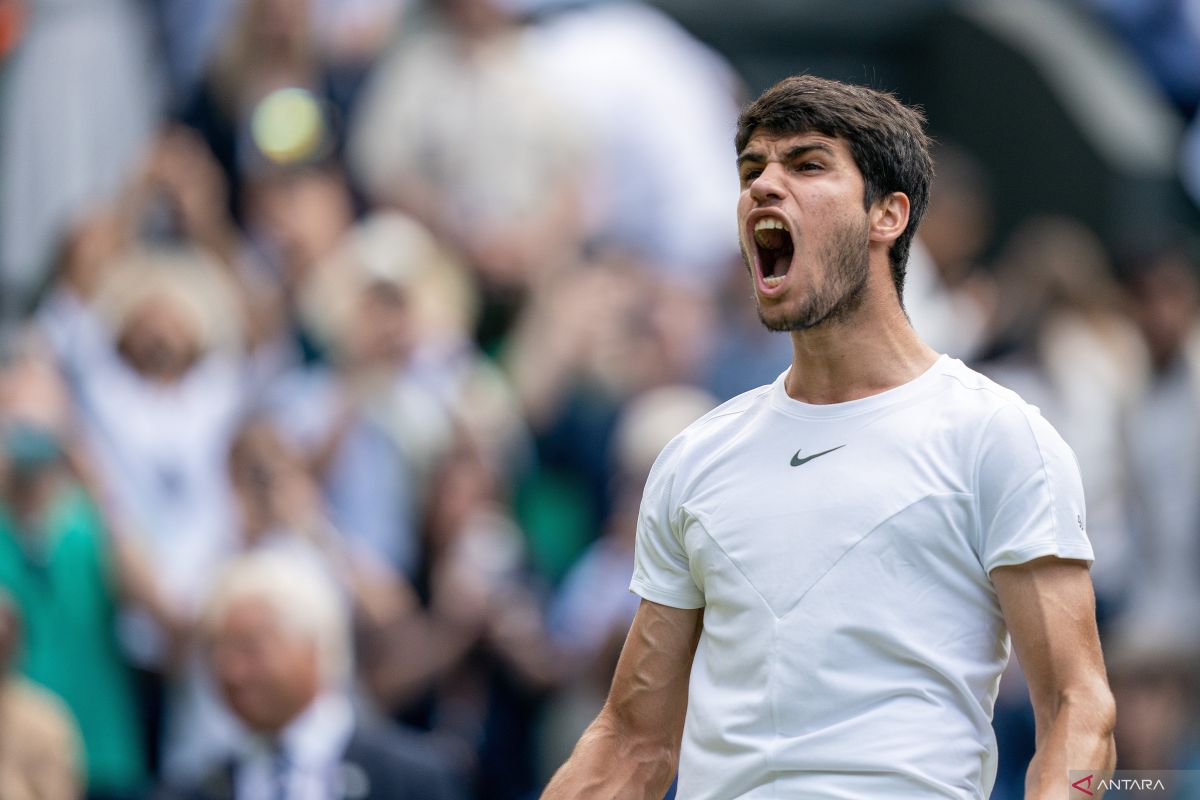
707	435
977	397
724	418
999	419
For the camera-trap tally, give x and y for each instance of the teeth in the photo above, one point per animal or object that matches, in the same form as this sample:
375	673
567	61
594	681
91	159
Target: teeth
769	223
774	281
765	224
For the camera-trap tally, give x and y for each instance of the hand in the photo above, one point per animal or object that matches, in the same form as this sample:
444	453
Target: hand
182	165
461	597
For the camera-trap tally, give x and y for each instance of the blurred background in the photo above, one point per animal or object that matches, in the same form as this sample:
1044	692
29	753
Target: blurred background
399	299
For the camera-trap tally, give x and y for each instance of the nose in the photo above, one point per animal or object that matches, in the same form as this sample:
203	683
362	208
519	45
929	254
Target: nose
767	185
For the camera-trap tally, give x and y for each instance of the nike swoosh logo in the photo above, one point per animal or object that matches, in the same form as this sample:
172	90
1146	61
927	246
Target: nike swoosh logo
797	460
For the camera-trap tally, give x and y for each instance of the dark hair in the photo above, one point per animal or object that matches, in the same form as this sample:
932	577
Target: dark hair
887	141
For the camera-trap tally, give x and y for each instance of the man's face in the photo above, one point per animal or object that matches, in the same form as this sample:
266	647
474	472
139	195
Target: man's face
803	228
267	674
161	339
382	330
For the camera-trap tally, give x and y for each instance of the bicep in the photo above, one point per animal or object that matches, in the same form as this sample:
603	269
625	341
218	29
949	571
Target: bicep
649	690
1050	609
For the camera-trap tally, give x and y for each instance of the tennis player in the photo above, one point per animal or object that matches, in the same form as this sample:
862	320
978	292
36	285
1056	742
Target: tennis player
831	566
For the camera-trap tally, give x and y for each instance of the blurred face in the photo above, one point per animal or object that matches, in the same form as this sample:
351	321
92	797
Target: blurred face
31	473
475	16
32	391
160	341
1168	302
279	22
803	228
303	217
382	329
267	674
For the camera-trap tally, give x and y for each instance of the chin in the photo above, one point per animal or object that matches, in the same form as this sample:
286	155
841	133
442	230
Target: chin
250	715
775	313
775	320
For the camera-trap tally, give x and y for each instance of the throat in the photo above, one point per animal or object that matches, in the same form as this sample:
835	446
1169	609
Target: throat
775	261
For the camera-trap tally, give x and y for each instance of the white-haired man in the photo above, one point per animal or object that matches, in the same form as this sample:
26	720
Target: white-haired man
279	641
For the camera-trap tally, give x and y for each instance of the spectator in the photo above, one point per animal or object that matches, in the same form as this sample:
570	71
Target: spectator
1163	435
280	509
376	419
158	377
159	397
505	201
297	219
466	686
39	744
593	337
66	577
1152	663
948	297
279	642
659	107
178	199
266	99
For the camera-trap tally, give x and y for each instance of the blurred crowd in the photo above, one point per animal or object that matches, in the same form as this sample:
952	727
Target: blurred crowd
339	337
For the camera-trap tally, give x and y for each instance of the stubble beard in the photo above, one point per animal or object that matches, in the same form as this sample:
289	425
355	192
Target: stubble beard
848	267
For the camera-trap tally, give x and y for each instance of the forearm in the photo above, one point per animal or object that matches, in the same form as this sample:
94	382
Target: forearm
610	761
1078	737
413	656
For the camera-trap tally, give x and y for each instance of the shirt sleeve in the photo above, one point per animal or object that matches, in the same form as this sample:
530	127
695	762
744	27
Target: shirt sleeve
1029	492
661	571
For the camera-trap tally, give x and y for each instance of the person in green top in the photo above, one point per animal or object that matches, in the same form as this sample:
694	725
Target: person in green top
57	562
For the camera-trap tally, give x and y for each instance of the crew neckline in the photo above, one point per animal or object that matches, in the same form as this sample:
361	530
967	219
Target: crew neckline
782	401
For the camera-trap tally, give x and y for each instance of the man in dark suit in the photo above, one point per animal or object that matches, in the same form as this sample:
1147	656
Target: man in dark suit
279	644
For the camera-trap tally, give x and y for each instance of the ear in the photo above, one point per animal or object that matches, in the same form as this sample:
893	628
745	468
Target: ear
889	217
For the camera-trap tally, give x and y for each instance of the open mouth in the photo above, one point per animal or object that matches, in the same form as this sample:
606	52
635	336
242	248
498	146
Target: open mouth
774	248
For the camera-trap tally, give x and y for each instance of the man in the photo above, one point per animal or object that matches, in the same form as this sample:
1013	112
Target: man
67	575
280	651
1163	434
828	564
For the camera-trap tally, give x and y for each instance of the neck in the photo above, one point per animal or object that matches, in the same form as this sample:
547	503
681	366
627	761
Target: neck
870	351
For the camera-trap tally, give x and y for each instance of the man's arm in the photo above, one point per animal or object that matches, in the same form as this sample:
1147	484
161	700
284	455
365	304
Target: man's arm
632	748
1050	610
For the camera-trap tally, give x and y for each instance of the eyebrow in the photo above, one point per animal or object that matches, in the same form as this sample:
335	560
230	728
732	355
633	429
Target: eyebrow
792	153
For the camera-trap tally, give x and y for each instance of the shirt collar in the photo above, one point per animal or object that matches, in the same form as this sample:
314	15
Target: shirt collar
316	737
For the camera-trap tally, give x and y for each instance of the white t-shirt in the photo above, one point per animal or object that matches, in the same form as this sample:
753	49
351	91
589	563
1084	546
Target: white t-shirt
853	641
